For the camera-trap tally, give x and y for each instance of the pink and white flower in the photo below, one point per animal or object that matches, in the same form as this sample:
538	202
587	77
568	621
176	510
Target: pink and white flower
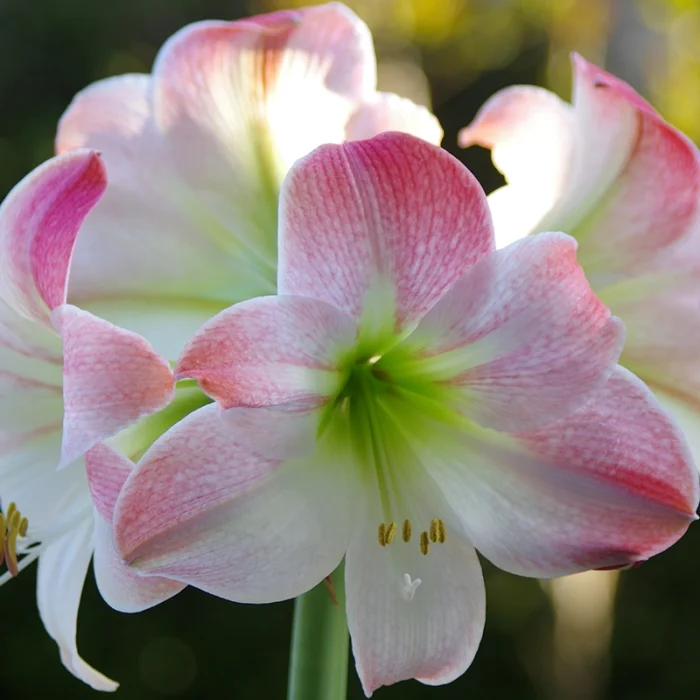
68	380
608	170
412	395
197	151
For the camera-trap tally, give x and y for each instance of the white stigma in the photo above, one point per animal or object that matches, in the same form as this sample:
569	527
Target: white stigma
408	590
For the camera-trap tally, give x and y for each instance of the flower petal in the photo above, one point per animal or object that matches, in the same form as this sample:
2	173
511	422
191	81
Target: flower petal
392	215
39	222
204	510
269	351
389	112
521	340
120	586
111	378
615	175
412	616
197	153
611	485
530	132
62	569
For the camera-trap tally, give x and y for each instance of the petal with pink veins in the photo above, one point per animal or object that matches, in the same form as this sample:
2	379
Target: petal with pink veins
120	586
388	112
269	351
521	339
39	223
111	378
62	569
383	226
202	509
611	485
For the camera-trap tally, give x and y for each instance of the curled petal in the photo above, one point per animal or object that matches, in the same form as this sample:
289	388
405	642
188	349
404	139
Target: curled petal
39	223
611	485
269	351
388	112
393	215
521	339
111	378
609	170
62	569
203	509
120	586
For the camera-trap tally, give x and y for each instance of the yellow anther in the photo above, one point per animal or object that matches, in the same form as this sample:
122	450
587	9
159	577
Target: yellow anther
12	526
424	542
437	530
407	530
391	533
381	534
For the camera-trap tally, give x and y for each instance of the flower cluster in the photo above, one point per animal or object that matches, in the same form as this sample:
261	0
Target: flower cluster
255	321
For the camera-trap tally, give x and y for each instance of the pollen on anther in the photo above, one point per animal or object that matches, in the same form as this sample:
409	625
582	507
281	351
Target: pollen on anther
381	534
437	530
406	531
424	542
390	533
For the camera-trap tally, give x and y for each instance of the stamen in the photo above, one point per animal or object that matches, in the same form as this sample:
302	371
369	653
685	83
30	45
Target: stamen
424	542
408	590
437	530
12	526
407	530
381	534
391	533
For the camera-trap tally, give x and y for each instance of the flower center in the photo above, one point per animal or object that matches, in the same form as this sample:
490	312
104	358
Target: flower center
12	525
372	404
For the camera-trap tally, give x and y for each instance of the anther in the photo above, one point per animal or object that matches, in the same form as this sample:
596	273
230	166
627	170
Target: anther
424	542
381	534
406	531
12	526
390	533
437	530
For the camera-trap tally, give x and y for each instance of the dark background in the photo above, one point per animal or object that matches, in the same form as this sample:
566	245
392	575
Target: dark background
197	646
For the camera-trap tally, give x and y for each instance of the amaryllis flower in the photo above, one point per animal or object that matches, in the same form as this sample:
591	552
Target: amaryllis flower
412	395
67	381
611	172
196	153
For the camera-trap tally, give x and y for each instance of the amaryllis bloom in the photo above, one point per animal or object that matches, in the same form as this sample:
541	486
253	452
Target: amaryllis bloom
411	395
196	153
611	172
67	381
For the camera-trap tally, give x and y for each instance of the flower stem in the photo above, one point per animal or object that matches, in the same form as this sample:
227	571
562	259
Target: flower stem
318	667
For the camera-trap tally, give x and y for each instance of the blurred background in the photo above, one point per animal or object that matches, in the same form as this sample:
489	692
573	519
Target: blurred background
577	639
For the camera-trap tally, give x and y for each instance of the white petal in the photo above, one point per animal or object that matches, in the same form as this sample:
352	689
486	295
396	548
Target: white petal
62	569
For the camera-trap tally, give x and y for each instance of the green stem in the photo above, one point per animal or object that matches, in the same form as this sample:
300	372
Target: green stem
318	667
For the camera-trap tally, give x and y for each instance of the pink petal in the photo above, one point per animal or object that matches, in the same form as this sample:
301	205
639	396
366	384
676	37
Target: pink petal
410	615
521	339
39	222
269	351
393	215
111	378
202	509
197	153
388	112
611	485
615	174
120	586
